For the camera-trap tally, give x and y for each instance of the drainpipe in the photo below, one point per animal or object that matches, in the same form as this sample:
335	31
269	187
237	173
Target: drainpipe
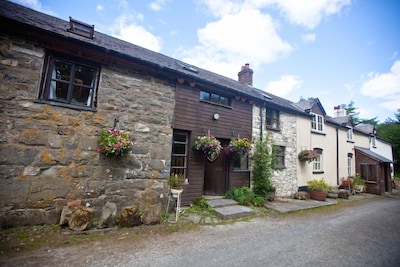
337	155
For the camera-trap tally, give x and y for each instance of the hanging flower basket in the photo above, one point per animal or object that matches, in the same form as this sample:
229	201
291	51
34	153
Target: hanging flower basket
210	146
113	142
308	155
239	146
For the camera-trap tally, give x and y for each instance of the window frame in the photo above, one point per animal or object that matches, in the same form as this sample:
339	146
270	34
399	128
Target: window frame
185	155
240	162
350	164
272	117
47	80
317	123
350	134
318	162
215	99
278	152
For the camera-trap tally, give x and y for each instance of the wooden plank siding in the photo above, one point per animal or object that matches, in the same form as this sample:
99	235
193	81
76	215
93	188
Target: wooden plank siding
196	117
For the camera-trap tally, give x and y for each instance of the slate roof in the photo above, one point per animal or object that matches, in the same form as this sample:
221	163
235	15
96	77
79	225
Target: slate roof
308	104
373	154
365	128
58	27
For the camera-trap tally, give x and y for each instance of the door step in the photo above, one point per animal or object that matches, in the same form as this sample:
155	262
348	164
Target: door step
229	209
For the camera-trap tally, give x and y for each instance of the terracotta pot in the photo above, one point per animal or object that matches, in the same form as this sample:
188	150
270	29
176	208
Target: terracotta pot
317	195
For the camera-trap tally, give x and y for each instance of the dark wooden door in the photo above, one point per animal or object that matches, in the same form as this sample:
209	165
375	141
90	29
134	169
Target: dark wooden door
216	175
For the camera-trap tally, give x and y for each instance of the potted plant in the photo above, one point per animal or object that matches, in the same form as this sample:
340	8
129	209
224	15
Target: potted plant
175	182
307	155
239	146
113	142
333	192
358	183
210	146
318	189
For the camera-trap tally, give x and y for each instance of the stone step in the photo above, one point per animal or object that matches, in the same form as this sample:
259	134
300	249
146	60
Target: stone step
229	209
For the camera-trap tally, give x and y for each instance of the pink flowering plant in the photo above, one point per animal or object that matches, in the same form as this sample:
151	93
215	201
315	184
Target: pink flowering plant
239	146
113	142
308	155
210	146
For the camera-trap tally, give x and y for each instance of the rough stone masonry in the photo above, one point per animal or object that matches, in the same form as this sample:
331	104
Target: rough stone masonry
48	153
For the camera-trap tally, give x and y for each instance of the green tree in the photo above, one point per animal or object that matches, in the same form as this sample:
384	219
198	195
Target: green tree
390	131
351	111
263	165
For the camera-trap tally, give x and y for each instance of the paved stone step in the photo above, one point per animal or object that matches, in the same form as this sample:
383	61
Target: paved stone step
221	202
233	212
229	209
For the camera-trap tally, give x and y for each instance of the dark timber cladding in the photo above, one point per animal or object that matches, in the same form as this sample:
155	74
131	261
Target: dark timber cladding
196	116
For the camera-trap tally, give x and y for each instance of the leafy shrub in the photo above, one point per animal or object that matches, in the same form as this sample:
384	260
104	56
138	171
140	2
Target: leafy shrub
200	204
263	166
244	196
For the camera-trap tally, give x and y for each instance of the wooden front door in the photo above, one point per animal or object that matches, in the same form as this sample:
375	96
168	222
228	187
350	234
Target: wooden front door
216	174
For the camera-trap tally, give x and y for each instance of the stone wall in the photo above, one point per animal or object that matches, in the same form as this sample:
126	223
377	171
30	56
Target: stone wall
285	179
48	153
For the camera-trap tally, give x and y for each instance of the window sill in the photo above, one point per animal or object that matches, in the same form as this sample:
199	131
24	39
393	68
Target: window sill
350	141
318	172
65	105
318	132
273	128
241	170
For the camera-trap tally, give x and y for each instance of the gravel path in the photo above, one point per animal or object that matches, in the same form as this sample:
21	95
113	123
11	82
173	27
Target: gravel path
363	235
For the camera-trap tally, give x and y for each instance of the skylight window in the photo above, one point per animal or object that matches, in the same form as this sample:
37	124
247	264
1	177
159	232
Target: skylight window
81	28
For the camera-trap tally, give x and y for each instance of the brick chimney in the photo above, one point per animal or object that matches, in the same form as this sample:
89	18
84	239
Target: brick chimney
246	74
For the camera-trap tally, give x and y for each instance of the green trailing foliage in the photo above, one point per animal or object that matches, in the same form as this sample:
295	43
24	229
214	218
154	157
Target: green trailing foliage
263	167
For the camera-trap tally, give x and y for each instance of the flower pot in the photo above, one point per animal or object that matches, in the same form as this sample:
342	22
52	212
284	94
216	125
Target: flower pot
176	192
317	195
270	196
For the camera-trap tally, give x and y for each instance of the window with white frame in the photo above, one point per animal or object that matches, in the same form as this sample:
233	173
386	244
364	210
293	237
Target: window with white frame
317	163
317	123
69	83
179	153
350	134
349	164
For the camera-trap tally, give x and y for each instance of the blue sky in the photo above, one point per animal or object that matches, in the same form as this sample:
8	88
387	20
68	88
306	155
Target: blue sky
336	50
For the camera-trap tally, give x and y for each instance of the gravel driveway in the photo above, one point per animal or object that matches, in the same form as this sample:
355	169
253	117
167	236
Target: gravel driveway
365	234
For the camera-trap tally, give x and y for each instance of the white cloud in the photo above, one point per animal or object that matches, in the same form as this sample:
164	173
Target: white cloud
34	4
285	85
307	14
99	7
243	37
308	38
157	5
384	85
126	27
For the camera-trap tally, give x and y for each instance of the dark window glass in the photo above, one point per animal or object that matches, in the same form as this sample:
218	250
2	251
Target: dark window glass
279	156
214	98
70	83
272	118
179	153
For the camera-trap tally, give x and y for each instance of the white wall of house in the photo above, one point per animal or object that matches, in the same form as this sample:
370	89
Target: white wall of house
346	155
304	169
384	149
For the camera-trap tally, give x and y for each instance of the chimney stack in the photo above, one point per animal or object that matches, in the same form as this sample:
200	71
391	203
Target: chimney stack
339	111
246	74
